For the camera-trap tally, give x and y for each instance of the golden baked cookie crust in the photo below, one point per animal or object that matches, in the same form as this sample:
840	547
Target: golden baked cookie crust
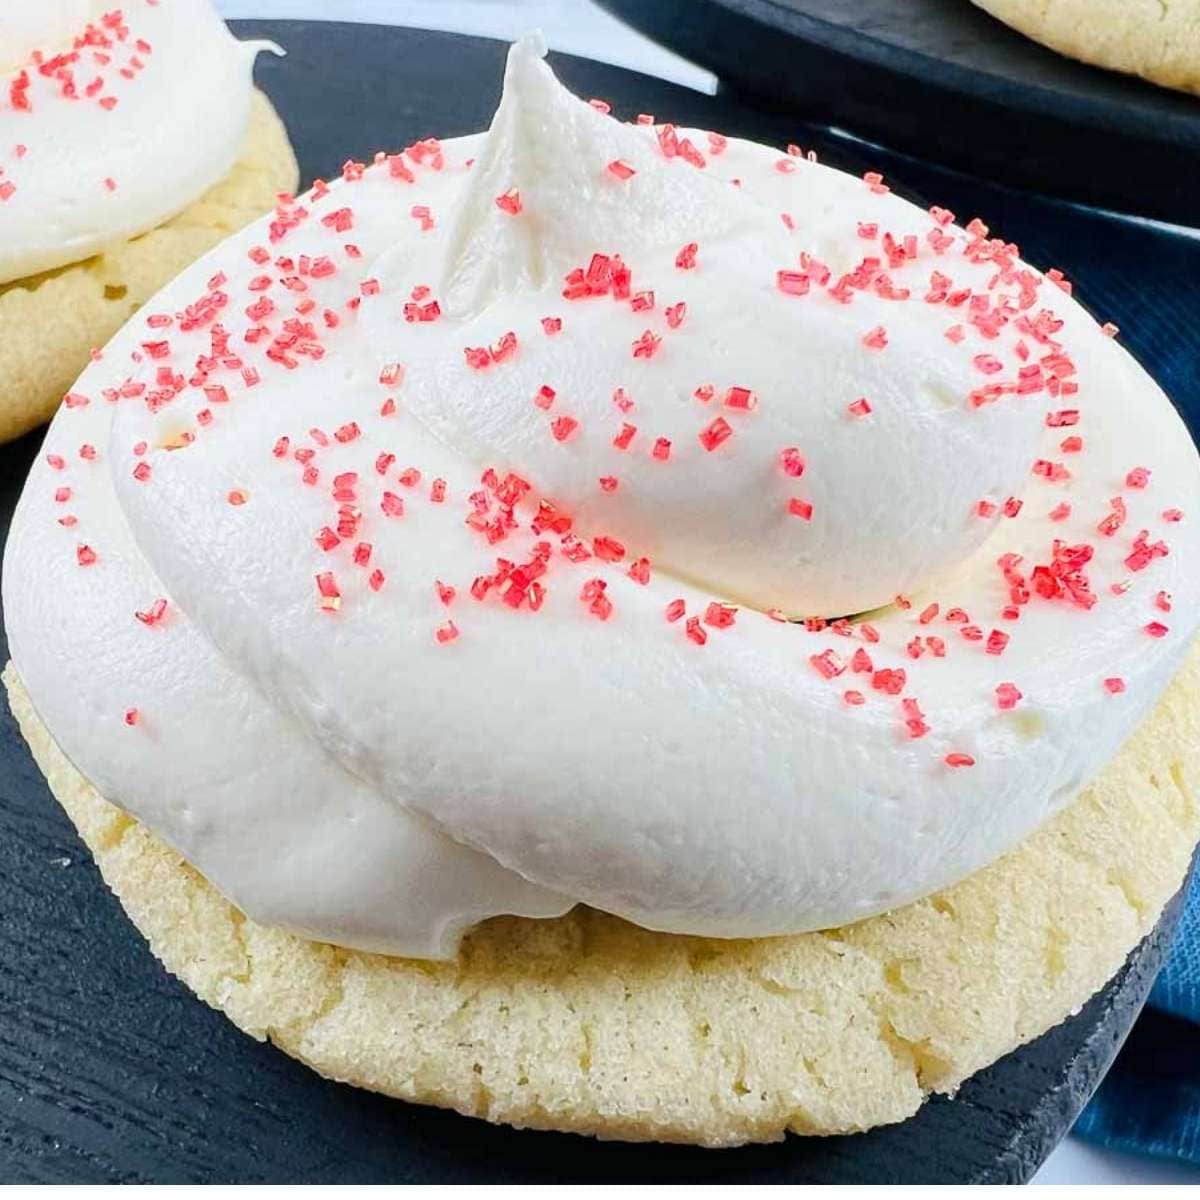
589	1024
1156	39
50	323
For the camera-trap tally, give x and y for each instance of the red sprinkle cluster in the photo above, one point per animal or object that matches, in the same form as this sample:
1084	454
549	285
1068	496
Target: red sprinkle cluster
104	58
288	300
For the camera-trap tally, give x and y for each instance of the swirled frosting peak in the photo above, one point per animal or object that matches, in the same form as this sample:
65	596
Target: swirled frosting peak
814	457
438	539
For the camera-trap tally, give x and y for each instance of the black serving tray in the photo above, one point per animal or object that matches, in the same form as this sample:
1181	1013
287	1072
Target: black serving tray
944	80
111	1071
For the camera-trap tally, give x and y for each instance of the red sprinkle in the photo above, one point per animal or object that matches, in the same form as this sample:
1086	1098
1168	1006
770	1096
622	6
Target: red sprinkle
562	427
685	260
1114	685
742	399
889	680
592	594
675	610
792	283
712	435
154	614
719	616
1066	416
329	597
621	169
827	664
639	571
608	549
859	408
509	202
792	462
647	345
800	508
959	760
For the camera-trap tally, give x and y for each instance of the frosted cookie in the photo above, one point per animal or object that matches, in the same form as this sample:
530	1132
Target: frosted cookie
589	1024
475	537
1156	39
131	141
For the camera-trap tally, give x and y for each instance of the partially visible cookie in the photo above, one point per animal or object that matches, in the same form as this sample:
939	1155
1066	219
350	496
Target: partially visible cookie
50	323
589	1024
1156	39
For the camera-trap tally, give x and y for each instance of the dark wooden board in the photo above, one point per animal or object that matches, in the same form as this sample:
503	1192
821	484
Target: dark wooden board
943	79
110	1070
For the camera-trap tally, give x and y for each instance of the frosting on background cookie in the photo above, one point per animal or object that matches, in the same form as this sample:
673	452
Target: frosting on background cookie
111	121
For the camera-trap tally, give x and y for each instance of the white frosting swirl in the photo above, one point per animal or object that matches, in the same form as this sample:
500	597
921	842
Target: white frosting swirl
327	752
111	121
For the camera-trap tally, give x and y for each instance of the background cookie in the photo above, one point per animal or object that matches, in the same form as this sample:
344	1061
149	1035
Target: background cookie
587	1023
49	323
1157	39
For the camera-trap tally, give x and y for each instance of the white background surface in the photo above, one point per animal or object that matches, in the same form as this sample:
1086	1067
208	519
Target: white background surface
579	27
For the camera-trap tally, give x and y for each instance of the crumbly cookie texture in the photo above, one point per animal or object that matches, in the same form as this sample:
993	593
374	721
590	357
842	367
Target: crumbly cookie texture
1156	39
50	323
589	1024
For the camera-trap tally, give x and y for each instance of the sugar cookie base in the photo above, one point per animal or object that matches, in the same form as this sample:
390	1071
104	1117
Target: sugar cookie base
589	1024
1156	39
50	323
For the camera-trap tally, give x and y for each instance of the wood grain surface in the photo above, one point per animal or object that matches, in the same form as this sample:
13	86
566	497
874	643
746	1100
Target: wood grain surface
111	1071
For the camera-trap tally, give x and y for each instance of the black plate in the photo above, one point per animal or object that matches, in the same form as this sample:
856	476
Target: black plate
110	1070
943	79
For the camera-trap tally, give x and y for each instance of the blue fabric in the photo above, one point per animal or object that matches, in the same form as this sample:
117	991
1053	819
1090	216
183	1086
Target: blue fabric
1149	1103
